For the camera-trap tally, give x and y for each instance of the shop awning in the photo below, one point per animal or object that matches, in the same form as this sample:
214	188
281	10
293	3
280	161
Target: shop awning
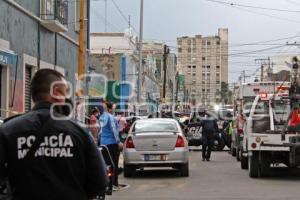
8	57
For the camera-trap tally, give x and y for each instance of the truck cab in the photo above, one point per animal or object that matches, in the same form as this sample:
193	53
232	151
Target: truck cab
266	139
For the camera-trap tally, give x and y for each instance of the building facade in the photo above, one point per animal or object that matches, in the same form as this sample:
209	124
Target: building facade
204	63
35	34
115	55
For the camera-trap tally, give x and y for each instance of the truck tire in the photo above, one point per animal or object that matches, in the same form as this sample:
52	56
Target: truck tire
264	165
238	154
254	168
129	171
244	161
233	150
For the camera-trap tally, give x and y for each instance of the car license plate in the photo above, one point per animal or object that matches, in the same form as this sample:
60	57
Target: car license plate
149	157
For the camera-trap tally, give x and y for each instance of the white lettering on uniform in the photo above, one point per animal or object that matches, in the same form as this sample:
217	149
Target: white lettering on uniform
68	141
52	146
22	153
21	141
30	140
53	141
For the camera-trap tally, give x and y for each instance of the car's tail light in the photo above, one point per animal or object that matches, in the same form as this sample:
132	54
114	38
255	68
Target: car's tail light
129	143
109	171
179	142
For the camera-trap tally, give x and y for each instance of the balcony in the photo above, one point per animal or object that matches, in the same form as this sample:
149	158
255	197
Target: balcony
54	15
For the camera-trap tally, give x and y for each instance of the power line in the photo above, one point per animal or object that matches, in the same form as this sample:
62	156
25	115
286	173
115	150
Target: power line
293	2
253	12
123	15
102	18
253	7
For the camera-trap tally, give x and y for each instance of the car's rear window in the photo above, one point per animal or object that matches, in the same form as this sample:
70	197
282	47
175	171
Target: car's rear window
155	126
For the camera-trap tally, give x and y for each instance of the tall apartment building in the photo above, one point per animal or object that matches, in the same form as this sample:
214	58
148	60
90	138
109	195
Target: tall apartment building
204	63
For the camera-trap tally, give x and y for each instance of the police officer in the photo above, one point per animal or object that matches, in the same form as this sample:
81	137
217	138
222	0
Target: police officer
66	163
209	128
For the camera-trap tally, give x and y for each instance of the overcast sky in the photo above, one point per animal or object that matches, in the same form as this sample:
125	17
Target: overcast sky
168	19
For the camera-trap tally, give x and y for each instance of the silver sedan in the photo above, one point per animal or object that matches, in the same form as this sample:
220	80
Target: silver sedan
157	142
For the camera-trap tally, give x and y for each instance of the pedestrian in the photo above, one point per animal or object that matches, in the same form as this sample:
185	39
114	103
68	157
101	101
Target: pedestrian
94	125
109	136
122	125
209	128
50	158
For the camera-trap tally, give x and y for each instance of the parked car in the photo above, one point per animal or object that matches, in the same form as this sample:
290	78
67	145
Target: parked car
156	142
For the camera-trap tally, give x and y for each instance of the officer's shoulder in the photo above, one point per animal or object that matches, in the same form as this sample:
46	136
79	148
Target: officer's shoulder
75	125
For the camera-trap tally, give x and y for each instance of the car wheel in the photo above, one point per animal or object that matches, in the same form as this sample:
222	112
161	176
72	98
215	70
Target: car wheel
184	170
129	170
218	144
253	165
238	154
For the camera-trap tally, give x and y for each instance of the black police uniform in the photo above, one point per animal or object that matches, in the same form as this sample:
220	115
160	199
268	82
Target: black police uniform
67	164
209	128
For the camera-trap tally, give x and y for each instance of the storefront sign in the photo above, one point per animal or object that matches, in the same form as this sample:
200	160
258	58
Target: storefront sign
8	58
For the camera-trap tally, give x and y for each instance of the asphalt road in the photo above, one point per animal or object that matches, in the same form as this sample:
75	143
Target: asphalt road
221	178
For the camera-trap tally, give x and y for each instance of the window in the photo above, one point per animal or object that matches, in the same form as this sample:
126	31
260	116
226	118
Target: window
179	42
217	67
203	58
208	43
218	42
203	66
154	126
179	50
194	66
189	66
208	66
218	75
189	42
189	50
194	74
203	90
217	82
54	10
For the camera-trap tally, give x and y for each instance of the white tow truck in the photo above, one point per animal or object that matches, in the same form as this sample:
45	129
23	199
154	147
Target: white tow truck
245	94
267	140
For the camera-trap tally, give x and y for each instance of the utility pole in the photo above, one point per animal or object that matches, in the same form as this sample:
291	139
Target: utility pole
165	56
141	51
105	16
262	73
263	62
81	52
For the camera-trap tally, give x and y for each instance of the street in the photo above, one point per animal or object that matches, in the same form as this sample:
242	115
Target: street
221	178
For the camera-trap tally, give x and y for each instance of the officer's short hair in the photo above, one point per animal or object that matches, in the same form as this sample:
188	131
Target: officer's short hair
41	83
